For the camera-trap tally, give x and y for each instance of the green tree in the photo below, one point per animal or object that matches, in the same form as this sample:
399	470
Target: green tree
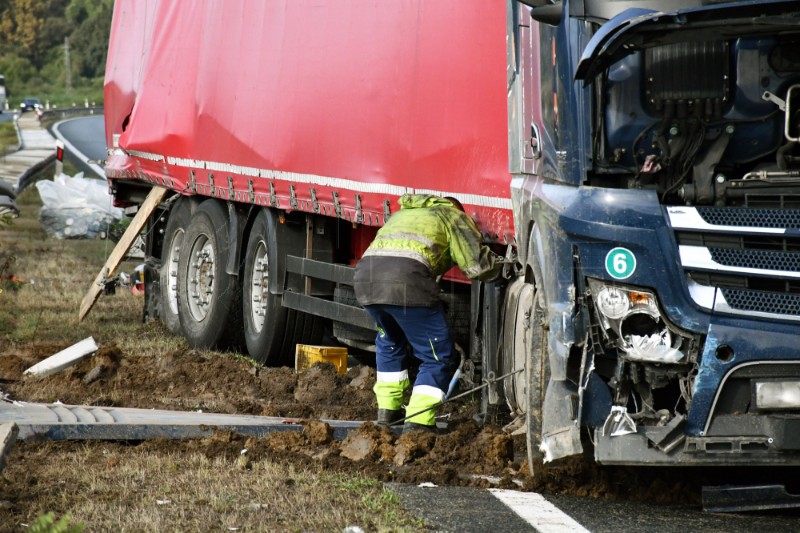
89	40
20	25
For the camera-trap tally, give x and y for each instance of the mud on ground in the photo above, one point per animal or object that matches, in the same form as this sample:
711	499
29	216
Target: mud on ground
185	379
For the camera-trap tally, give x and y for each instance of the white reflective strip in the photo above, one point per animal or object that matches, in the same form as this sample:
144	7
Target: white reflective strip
538	512
396	253
698	257
391	377
325	181
427	390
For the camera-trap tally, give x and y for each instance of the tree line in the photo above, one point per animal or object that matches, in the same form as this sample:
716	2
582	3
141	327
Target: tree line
54	47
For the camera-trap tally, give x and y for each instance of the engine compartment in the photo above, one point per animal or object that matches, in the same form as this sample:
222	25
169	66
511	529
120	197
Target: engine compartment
704	123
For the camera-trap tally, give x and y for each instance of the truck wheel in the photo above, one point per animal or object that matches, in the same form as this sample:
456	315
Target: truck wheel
537	375
264	318
209	299
179	217
271	331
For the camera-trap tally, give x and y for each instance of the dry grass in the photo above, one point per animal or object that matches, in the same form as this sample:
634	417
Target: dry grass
117	487
111	487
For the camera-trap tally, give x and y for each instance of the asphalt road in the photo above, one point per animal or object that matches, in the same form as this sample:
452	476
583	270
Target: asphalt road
84	140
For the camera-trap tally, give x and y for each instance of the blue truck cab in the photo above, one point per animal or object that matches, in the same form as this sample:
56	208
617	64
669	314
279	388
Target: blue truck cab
655	155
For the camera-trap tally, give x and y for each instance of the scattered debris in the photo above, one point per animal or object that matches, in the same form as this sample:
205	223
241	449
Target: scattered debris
306	356
119	252
8	207
8	436
64	358
76	207
58	421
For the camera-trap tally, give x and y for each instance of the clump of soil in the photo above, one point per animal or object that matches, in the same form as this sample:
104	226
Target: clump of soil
186	379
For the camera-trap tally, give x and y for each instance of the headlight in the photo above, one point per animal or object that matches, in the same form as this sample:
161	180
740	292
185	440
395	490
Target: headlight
633	316
612	302
777	394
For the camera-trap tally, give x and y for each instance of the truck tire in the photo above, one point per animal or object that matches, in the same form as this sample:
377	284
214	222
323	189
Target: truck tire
179	217
537	377
271	331
209	299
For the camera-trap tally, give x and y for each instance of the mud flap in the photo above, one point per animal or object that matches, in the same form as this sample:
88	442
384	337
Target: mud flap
561	443
559	407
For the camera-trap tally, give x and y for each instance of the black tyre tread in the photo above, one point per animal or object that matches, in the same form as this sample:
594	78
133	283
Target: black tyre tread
265	346
179	217
223	325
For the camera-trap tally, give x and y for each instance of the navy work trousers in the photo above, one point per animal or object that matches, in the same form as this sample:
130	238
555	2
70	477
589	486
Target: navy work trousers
426	330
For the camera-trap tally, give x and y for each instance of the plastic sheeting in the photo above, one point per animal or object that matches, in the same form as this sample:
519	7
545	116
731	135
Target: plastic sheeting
76	207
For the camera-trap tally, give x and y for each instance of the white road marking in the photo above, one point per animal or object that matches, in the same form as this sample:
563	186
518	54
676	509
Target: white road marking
538	512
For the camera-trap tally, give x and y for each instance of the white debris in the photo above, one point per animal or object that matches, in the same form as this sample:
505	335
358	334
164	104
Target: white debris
427	485
63	359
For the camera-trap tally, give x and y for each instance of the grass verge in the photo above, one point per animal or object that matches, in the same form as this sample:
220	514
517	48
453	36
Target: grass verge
109	486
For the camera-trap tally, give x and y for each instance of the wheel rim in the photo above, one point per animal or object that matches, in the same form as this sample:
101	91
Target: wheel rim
172	270
518	341
259	287
200	277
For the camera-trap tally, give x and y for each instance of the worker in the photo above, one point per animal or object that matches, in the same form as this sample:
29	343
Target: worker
397	283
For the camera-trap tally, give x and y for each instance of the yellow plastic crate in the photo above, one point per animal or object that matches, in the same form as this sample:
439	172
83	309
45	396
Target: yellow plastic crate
305	356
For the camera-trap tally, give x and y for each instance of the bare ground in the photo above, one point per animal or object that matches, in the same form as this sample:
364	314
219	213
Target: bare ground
186	379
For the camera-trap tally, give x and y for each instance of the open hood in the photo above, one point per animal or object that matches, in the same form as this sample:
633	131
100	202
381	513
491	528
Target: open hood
636	28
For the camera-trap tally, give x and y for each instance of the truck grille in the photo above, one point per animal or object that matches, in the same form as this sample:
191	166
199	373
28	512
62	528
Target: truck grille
755	218
741	261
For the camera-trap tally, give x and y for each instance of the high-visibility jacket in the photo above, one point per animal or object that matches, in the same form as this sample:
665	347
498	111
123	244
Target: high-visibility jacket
417	244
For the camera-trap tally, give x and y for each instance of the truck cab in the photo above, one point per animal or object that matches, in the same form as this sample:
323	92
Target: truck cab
656	186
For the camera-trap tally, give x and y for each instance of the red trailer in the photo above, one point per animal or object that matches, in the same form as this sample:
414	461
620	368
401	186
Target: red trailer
286	131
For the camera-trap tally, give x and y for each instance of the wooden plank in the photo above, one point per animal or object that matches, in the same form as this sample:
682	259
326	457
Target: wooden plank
118	253
8	437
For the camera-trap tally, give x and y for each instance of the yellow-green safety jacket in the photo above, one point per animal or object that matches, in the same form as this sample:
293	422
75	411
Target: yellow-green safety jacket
416	245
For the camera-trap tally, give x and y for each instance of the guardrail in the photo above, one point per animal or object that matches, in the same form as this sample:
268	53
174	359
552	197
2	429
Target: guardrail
51	116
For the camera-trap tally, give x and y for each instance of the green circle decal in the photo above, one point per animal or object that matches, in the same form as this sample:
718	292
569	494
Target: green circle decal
620	263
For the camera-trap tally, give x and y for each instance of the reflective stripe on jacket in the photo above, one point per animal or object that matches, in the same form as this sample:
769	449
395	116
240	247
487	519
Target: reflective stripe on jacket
419	243
429	229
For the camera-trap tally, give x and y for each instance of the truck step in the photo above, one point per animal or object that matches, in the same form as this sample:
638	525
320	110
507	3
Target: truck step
738	498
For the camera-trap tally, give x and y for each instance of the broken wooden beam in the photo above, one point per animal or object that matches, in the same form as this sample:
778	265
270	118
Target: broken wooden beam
118	253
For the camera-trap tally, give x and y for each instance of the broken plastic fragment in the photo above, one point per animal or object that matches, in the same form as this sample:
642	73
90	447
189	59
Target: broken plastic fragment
653	348
427	485
545	449
618	422
63	359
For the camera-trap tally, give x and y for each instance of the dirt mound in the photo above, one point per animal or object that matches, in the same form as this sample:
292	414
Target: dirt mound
186	379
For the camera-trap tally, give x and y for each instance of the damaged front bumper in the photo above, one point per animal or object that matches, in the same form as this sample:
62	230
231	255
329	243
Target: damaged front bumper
671	447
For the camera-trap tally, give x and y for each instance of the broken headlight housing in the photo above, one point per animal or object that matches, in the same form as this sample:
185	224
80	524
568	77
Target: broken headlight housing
632	319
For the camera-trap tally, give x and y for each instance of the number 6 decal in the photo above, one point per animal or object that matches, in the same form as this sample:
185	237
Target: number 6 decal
620	263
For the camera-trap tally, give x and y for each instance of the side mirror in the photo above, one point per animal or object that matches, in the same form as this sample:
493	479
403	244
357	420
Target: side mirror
549	14
544	11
